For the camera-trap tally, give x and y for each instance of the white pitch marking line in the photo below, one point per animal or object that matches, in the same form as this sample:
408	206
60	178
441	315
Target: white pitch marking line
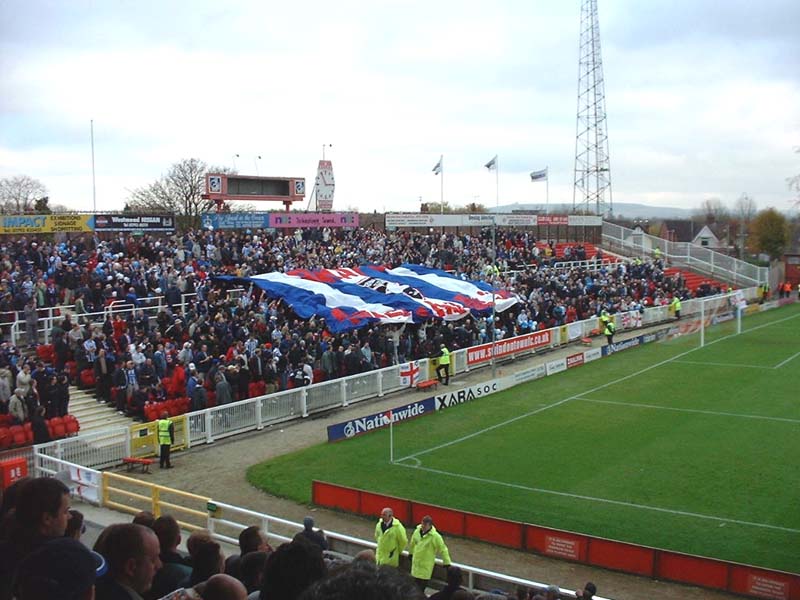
600	387
780	364
603	500
553	405
690	410
716	364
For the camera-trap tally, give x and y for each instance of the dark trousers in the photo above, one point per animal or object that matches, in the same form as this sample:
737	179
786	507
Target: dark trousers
164	458
610	338
446	369
422	584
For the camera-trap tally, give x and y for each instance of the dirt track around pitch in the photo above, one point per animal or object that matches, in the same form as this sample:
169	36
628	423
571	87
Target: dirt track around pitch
218	471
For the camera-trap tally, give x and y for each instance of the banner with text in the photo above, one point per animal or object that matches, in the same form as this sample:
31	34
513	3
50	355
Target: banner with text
277	220
66	223
134	223
354	427
407	220
523	343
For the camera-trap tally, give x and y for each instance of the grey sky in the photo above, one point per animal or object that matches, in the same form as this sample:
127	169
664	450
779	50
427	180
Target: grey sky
701	101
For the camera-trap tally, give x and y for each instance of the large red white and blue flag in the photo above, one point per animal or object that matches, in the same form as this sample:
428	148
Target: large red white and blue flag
355	297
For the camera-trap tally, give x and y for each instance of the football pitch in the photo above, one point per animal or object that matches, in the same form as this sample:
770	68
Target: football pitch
669	445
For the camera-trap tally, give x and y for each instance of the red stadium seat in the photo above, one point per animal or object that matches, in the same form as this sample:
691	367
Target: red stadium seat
87	378
59	431
17	435
72	368
72	425
5	438
45	352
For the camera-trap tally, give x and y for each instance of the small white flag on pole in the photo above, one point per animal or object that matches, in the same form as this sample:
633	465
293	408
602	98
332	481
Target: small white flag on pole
438	167
539	175
492	164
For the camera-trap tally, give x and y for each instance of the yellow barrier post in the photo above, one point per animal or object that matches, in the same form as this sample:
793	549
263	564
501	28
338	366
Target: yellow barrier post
153	498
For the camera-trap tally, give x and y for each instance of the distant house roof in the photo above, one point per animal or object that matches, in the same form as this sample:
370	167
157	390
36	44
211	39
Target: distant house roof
679	230
706	237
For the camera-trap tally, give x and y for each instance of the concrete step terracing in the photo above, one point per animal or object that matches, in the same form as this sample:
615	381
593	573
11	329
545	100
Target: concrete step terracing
93	415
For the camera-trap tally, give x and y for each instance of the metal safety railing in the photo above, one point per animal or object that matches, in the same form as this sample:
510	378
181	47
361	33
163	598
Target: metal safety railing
705	260
224	521
49	316
95	449
131	495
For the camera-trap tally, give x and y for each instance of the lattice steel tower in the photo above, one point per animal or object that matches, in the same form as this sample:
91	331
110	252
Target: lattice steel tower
592	190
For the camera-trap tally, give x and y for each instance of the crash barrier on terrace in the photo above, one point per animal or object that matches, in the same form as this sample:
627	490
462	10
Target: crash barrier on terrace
599	552
704	260
49	316
107	448
225	521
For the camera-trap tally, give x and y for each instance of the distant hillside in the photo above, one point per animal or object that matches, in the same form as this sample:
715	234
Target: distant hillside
621	210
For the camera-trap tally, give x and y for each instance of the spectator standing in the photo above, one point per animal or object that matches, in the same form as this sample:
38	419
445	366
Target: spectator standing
391	538
609	330
60	395
39	426
223	390
31	323
675	306
166	437
444	364
315	536
426	543
103	373
18	407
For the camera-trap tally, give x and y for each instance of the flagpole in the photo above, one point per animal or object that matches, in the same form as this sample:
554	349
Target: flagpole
494	313
391	439
94	186
441	174
497	182
547	189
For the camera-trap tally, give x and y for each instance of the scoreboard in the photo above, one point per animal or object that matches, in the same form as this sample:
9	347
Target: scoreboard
221	187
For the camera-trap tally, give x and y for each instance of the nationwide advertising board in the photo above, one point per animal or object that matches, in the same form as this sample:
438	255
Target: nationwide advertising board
134	223
361	425
58	223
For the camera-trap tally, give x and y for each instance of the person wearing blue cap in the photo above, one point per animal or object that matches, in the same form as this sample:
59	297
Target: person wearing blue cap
62	568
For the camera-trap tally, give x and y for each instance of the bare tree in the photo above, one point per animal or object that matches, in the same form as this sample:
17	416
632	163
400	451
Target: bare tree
744	209
712	210
19	194
794	183
179	192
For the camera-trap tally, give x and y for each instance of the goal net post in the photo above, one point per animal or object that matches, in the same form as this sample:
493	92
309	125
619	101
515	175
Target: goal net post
701	314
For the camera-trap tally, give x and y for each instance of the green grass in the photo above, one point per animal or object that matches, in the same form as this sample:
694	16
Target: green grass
711	436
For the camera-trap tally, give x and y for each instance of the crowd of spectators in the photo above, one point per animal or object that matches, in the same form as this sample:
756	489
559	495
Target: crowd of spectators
42	557
145	316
